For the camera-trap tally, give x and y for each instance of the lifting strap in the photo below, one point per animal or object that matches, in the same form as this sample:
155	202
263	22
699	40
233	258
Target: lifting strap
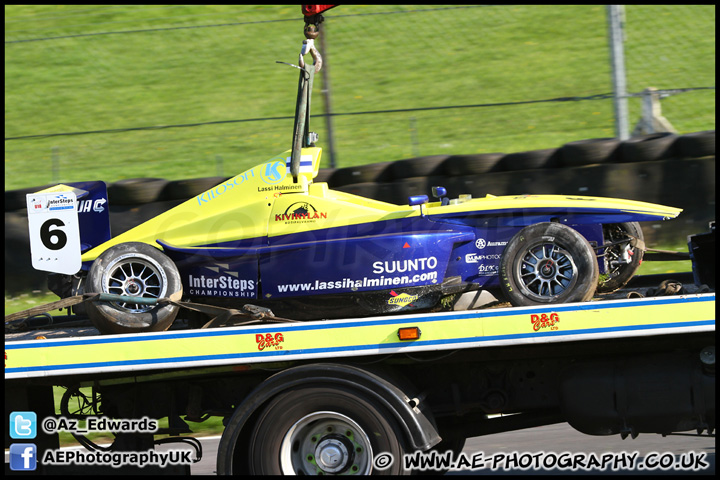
251	314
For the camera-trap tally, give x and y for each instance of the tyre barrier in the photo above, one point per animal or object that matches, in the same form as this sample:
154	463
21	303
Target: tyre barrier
135	191
534	159
696	145
191	187
472	164
418	166
372	172
16	200
325	175
648	148
589	152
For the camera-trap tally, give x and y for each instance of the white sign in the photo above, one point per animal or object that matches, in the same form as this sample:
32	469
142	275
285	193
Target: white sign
54	232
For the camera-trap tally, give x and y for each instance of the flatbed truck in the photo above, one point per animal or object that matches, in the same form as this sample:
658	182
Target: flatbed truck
333	397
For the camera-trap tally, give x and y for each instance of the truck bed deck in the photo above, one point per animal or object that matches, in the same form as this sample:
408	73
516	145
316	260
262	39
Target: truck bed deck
81	350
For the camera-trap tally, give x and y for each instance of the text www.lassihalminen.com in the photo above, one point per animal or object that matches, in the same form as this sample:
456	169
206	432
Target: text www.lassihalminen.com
365	282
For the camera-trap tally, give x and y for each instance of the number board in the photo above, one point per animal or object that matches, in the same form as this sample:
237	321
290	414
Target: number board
54	232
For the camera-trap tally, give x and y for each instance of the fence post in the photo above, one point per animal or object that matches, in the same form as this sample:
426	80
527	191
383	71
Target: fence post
652	119
326	96
616	21
414	137
55	164
219	165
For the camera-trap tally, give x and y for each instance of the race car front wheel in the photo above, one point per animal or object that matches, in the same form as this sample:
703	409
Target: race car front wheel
548	263
133	269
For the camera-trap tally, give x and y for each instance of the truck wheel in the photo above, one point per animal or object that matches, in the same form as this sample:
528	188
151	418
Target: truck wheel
548	263
617	268
139	270
317	431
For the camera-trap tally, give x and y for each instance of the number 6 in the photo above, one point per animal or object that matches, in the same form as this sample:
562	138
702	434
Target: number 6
53	239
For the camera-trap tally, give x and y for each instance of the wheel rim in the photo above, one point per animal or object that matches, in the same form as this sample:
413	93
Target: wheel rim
325	443
546	271
135	275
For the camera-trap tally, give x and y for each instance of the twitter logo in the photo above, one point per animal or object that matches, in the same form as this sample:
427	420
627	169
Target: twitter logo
23	425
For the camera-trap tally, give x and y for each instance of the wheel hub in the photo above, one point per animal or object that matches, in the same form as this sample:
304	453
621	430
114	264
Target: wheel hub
133	287
547	269
332	455
326	443
136	275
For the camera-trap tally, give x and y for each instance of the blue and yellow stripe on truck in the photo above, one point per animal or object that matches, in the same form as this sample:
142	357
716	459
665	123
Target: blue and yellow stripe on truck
243	346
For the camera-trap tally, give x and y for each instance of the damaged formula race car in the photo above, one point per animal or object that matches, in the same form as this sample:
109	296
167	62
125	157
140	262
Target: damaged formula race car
272	237
309	252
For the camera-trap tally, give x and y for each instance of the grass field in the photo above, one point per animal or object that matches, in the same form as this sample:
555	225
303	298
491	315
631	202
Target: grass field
212	68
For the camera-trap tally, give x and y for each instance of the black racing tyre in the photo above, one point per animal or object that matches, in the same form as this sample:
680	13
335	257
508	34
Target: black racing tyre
189	188
135	269
647	148
366	189
458	165
317	430
373	172
325	175
136	191
545	158
418	166
623	260
548	263
589	152
17	199
696	145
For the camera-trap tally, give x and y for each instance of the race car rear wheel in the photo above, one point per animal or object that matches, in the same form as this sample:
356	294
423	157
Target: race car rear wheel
622	260
548	263
139	270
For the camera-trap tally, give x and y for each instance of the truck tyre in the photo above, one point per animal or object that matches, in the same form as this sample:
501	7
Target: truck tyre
548	263
135	269
618	273
317	431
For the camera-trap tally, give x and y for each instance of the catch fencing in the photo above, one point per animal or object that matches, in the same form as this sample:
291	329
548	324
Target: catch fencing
180	92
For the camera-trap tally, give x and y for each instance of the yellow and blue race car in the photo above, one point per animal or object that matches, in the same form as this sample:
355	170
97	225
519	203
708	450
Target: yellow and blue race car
273	237
268	238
